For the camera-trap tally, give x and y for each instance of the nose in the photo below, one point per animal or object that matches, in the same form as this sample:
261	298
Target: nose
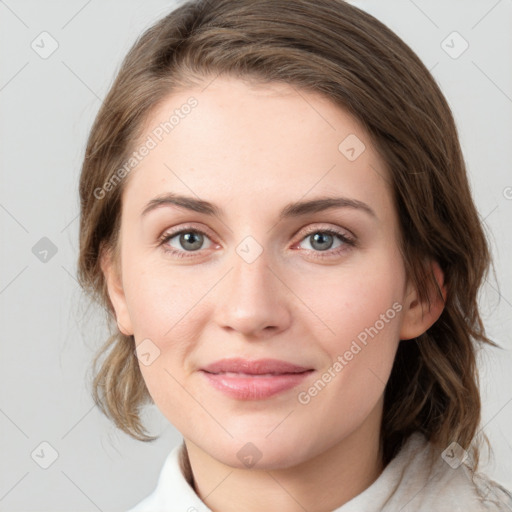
253	299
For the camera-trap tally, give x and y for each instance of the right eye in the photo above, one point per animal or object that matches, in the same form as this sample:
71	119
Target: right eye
187	240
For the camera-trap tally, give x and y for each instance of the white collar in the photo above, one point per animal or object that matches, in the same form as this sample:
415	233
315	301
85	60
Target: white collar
405	485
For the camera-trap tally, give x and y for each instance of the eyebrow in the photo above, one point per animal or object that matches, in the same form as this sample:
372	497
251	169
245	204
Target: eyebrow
295	209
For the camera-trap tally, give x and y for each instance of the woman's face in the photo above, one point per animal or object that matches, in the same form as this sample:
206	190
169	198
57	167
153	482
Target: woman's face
272	275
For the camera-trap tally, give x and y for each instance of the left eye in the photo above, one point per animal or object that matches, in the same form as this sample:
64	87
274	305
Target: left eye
323	240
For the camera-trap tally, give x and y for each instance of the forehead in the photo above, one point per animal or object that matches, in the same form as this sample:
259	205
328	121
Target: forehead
250	145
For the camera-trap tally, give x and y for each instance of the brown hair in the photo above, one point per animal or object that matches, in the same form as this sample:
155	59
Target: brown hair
340	51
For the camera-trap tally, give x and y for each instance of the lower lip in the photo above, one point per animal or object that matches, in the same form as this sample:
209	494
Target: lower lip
252	387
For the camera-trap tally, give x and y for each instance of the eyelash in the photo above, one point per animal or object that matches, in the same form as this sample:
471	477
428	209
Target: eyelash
348	242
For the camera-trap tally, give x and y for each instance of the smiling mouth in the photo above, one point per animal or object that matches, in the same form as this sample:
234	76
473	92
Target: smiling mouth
254	380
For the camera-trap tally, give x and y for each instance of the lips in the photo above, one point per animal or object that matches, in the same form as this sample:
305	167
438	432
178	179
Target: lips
257	367
254	380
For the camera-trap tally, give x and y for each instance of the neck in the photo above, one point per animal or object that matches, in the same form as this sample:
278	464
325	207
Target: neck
325	482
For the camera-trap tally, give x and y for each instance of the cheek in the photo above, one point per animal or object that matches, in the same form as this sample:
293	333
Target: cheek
161	309
165	309
365	314
348	301
159	302
362	309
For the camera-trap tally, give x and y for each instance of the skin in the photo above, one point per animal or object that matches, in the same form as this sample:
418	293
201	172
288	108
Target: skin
252	149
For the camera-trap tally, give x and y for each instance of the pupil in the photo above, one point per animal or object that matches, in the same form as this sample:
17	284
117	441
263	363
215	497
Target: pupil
319	237
189	239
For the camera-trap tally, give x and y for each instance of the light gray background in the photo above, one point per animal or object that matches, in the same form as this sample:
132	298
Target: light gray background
48	337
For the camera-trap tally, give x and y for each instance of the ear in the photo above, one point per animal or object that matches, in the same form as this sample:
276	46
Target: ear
111	271
418	317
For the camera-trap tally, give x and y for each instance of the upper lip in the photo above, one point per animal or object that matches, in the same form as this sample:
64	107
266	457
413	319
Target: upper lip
255	367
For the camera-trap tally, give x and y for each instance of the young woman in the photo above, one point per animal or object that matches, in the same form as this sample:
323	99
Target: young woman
275	210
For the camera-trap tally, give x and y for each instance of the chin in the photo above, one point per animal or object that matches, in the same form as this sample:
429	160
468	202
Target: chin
260	452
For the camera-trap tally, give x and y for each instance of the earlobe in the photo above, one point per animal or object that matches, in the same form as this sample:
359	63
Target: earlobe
115	291
418	316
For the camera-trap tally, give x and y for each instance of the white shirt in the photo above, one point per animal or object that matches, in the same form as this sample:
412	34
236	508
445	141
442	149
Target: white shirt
405	485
